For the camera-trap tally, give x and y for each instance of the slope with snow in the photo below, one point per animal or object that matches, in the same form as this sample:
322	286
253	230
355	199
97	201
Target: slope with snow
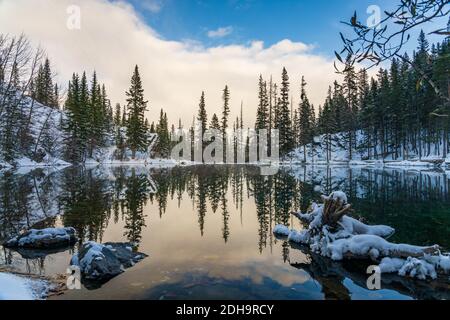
335	150
47	123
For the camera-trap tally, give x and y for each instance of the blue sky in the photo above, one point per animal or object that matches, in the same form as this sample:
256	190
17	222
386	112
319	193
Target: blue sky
112	41
310	21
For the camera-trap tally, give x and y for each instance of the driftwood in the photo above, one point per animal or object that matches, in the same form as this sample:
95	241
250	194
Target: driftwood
334	210
332	234
333	214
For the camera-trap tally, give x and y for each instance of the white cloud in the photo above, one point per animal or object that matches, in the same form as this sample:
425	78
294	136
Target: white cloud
221	32
113	39
153	6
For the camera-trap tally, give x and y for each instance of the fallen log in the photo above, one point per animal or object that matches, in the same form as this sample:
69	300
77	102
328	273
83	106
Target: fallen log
333	234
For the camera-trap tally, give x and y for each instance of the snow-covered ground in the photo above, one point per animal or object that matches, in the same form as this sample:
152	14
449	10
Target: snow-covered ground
45	117
14	287
316	153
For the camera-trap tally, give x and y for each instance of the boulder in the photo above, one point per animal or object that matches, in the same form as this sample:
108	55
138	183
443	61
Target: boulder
43	239
102	262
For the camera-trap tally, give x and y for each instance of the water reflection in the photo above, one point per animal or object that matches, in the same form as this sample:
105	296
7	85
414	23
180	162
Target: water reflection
208	229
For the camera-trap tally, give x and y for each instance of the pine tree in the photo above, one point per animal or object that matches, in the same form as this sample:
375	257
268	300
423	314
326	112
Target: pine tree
350	107
162	129
117	116
202	116
215	125
225	115
95	117
283	120
305	124
262	114
136	106
202	119
73	126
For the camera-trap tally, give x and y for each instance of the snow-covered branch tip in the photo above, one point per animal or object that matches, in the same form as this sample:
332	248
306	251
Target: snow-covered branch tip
331	233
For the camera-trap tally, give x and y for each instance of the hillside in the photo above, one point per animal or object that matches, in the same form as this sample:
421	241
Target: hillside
47	145
334	149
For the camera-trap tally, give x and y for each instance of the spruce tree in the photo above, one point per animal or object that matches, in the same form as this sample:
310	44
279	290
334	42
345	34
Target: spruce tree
283	120
136	106
162	129
202	119
262	114
305	119
117	116
350	107
215	125
225	115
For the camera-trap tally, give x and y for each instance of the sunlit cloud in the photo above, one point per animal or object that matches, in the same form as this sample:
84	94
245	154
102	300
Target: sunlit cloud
113	38
221	32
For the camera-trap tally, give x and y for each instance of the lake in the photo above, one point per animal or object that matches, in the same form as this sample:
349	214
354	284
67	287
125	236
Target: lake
208	229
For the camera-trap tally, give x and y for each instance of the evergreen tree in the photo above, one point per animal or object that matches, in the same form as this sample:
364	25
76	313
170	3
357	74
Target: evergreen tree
117	116
136	106
215	125
262	114
350	108
305	124
283	119
162	129
225	115
202	117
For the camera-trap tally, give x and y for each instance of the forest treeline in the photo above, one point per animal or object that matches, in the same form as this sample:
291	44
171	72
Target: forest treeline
388	115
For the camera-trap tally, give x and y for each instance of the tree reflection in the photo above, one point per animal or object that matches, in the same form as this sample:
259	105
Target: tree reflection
91	198
86	202
136	196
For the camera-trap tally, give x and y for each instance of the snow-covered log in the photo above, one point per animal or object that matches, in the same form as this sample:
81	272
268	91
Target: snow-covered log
333	234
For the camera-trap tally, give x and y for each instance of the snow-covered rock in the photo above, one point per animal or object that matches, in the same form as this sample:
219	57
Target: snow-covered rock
101	262
43	239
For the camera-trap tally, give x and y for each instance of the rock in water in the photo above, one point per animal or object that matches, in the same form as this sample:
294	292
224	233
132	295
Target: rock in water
49	238
102	262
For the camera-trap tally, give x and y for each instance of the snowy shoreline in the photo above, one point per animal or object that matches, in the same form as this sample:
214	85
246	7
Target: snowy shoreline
14	287
372	163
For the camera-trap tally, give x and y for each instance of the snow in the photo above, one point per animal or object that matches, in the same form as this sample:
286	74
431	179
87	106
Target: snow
357	227
354	239
42	116
391	265
316	153
281	230
363	245
411	267
418	268
298	237
339	195
13	287
33	236
94	253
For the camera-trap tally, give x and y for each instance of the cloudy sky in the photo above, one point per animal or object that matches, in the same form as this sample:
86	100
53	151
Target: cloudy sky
186	46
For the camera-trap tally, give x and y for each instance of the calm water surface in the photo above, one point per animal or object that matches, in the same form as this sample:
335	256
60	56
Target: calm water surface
208	230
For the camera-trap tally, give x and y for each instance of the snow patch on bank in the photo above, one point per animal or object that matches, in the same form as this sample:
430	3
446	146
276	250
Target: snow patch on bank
13	287
334	151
